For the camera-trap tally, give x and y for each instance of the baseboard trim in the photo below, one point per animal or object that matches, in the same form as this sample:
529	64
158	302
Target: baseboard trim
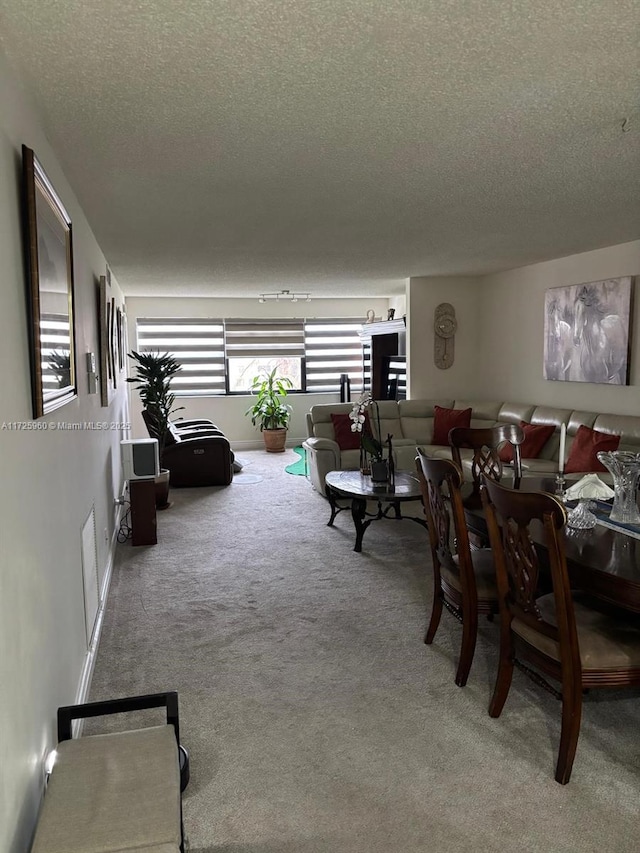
238	446
84	685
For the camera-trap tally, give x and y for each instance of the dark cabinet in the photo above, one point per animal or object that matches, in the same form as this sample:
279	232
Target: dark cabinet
143	512
384	359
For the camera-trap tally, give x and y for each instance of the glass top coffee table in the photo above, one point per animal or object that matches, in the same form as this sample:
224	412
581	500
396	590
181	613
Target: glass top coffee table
359	489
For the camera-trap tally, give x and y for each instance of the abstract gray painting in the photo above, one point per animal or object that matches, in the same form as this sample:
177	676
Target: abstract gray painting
587	332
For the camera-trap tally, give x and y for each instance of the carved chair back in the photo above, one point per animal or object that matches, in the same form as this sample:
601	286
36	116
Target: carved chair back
440	481
510	515
547	631
464	581
486	443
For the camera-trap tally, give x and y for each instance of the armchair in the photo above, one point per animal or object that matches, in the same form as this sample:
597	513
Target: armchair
196	453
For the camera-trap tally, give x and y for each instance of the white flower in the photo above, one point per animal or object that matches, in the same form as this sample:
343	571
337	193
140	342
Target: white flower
357	412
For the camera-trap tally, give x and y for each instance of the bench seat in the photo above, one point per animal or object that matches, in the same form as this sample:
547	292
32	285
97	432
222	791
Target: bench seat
108	793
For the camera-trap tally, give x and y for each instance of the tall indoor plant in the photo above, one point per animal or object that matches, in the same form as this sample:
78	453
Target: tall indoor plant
153	374
270	411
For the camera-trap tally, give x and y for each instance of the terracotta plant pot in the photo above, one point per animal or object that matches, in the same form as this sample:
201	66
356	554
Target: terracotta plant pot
274	440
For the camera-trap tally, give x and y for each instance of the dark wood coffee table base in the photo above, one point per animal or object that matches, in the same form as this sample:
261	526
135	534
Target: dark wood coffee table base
358	490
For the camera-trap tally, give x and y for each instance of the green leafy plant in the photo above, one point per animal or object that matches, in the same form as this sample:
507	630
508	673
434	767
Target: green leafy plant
154	371
269	410
60	365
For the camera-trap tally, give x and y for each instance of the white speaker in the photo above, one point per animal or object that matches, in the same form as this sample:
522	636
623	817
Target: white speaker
140	458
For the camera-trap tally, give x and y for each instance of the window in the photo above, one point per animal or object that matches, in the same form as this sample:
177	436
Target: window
55	351
256	345
333	347
198	344
395	367
223	356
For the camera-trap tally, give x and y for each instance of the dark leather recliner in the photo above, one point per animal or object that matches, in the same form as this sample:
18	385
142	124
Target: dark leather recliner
196	453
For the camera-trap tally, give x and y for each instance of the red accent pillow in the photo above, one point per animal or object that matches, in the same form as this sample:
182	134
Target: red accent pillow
586	444
445	420
347	440
535	438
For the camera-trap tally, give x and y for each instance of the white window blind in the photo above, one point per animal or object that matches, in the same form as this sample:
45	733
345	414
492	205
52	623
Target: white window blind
256	346
55	354
312	353
264	338
198	344
333	347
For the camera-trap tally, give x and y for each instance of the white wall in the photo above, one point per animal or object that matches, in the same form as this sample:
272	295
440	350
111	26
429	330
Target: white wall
399	304
500	337
50	479
229	412
460	380
511	318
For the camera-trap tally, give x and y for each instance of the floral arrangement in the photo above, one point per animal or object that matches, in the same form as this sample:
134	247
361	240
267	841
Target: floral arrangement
358	424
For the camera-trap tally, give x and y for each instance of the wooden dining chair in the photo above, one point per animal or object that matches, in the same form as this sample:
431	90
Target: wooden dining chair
464	581
485	462
565	635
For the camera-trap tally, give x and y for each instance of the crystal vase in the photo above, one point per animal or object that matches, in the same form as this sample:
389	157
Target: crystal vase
624	467
581	517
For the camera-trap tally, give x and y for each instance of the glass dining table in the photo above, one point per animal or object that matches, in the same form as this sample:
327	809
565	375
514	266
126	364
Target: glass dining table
602	561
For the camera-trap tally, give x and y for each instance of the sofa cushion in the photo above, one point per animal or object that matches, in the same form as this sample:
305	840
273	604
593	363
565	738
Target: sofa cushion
347	438
321	418
626	426
483	411
588	442
387	415
445	420
421	408
539	467
513	413
535	438
438	451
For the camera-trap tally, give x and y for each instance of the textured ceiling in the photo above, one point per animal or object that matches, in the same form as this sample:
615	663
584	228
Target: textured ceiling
336	146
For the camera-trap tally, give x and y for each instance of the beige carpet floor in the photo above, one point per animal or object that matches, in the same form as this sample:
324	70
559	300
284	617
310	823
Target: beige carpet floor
316	718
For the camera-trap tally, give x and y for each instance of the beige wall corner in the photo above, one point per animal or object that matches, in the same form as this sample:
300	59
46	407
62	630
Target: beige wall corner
462	379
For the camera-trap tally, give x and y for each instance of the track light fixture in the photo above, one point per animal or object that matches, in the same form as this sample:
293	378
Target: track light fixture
286	296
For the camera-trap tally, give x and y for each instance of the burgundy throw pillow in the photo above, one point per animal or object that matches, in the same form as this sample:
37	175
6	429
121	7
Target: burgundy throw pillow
535	438
445	420
347	440
588	442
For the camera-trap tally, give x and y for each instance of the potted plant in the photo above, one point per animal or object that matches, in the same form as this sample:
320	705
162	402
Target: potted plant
269	411
154	371
372	459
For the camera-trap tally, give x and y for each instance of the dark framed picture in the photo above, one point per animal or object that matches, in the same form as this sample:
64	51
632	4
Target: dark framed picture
120	338
112	340
104	312
587	331
49	262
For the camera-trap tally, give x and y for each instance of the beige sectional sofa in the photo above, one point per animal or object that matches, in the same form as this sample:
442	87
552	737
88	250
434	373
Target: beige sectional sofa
410	422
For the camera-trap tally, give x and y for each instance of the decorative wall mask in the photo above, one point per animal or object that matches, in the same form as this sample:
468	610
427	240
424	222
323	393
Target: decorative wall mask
445	326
